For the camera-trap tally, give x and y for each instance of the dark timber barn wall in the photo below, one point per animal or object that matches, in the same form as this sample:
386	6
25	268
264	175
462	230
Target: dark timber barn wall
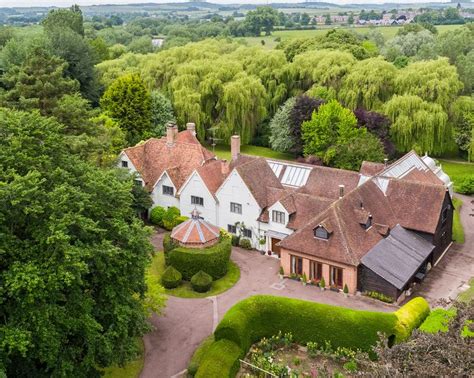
367	280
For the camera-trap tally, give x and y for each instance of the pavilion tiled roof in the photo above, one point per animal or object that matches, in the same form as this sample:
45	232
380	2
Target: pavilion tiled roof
195	231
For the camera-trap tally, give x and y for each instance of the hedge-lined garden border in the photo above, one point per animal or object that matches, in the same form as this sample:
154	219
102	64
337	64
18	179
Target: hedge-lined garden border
263	316
212	260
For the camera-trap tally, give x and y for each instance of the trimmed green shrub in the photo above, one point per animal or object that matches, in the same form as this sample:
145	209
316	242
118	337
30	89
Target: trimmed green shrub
201	282
465	185
212	260
264	316
180	220
169	218
235	240
245	243
220	361
171	278
199	354
410	316
168	243
157	214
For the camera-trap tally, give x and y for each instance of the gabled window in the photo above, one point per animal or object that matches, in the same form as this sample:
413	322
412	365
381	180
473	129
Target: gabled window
321	233
278	216
124	164
232	228
235	208
247	233
197	200
168	190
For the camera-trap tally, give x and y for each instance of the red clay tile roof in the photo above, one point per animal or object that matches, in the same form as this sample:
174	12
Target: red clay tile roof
427	176
413	205
325	181
258	176
369	168
154	156
306	208
213	173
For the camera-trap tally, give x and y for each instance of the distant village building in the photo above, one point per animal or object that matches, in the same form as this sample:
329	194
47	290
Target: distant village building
157	42
380	229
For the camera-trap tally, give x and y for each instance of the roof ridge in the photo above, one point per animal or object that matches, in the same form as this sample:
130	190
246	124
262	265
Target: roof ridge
343	236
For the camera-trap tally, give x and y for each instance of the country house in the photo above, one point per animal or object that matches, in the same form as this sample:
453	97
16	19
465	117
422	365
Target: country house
380	229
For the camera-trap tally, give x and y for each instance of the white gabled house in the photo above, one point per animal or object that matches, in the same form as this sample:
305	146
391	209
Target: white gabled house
164	192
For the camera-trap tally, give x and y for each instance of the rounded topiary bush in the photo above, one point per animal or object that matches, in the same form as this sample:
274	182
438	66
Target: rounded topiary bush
171	278
169	218
245	243
201	282
156	215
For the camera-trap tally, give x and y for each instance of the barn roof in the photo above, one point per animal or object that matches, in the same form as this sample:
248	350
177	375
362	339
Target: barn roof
398	257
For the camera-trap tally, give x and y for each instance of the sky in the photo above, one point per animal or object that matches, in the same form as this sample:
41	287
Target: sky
64	3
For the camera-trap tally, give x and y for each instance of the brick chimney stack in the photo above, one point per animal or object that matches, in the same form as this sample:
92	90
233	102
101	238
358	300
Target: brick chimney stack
191	126
235	146
341	191
171	131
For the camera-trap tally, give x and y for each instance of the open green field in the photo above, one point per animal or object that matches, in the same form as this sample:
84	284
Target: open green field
387	31
457	170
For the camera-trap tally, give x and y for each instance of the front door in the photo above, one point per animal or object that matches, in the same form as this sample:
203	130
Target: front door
275	249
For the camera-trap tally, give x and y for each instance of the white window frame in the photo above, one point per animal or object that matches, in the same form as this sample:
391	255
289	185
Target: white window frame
196	200
278	217
235	208
167	187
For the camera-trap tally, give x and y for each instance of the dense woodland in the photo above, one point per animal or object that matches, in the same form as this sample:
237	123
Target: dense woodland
73	93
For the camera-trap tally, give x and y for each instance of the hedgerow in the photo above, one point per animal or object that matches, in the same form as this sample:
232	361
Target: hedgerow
263	316
212	260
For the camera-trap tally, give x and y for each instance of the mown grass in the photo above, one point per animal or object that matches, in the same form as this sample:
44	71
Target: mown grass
438	320
223	152
458	230
130	370
457	170
185	291
387	31
468	295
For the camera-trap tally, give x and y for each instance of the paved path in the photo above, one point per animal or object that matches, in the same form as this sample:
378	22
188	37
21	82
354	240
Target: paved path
186	322
451	275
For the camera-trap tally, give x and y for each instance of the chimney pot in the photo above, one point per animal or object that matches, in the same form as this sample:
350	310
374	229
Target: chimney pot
341	191
235	146
191	126
385	162
171	131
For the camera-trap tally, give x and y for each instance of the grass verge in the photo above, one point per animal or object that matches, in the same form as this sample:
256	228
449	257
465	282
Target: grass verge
458	230
457	170
223	152
130	370
185	290
438	320
467	295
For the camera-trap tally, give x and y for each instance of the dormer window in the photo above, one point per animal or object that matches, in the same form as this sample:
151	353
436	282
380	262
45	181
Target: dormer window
278	216
124	164
368	224
321	233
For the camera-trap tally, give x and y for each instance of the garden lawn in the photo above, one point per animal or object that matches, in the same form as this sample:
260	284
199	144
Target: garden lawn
438	320
457	170
223	152
130	370
467	295
185	291
458	231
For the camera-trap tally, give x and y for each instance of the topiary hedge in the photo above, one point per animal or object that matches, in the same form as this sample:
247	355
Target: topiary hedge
171	278
263	316
170	217
201	282
157	214
212	260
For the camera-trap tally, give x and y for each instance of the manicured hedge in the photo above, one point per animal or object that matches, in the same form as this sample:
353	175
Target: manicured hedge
170	218
171	278
157	214
213	260
201	282
410	316
220	361
263	316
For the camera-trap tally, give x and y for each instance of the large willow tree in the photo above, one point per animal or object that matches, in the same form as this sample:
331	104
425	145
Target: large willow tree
322	67
432	80
418	124
369	84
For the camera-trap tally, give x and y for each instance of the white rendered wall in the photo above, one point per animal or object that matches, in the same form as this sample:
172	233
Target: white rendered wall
196	187
234	190
123	157
163	200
